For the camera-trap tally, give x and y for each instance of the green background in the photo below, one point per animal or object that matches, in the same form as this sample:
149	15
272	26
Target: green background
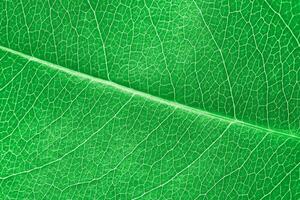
149	99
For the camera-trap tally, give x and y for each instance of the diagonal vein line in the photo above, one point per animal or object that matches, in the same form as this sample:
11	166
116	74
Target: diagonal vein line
125	157
102	40
222	57
284	22
188	166
14	77
162	49
150	97
75	148
287	174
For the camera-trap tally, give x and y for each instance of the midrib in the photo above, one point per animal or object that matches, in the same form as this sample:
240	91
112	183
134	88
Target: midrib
150	97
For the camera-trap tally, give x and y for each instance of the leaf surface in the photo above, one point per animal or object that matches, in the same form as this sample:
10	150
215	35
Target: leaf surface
150	100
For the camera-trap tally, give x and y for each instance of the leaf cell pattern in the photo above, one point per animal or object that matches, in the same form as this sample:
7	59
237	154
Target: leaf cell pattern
150	99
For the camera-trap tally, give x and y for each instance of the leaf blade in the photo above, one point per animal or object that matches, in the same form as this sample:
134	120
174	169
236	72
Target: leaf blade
189	144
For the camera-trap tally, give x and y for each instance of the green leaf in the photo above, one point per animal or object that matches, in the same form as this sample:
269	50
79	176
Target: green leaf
150	99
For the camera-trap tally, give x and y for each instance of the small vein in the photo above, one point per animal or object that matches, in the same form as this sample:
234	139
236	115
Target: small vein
124	158
102	40
222	57
264	67
188	166
30	108
284	22
74	149
60	116
236	170
14	77
162	49
287	174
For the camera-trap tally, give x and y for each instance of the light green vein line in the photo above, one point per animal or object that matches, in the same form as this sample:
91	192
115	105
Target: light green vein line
162	48
75	148
102	41
222	57
14	77
150	97
286	175
284	22
188	166
124	158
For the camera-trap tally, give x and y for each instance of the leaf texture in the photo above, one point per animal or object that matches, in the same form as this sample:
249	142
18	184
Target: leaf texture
150	99
236	58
